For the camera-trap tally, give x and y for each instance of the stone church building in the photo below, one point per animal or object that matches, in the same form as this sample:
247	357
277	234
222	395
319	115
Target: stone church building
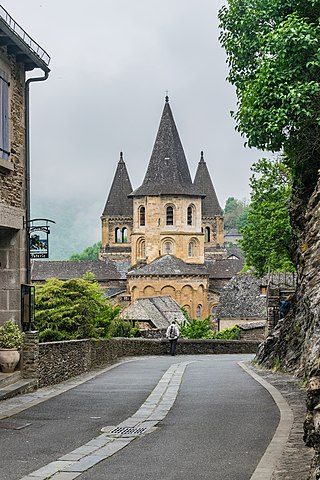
170	228
164	238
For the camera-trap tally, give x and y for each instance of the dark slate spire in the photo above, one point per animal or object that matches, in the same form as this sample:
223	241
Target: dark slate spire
168	171
118	202
203	183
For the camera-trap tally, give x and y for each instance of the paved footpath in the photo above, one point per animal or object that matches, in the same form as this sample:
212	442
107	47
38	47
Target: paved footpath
198	409
295	460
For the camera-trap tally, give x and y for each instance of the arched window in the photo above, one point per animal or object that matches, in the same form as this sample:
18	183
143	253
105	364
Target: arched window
168	248
124	235
207	234
198	312
142	216
190	249
169	216
189	215
118	235
143	249
214	312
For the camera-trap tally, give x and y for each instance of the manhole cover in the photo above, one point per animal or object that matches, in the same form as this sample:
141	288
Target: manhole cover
128	431
13	424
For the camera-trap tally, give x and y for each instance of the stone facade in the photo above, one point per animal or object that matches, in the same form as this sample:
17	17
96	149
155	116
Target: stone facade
189	292
12	196
13	164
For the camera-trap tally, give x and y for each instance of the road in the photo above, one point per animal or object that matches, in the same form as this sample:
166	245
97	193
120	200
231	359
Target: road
215	423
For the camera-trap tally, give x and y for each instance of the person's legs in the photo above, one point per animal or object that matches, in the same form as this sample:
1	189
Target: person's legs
173	346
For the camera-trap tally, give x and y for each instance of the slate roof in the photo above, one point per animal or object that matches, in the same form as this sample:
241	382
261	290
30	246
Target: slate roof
251	325
241	297
168	265
66	269
223	269
168	172
203	183
118	203
158	311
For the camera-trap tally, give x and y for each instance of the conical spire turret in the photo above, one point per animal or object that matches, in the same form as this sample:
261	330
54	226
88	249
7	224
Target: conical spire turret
118	203
168	171
203	183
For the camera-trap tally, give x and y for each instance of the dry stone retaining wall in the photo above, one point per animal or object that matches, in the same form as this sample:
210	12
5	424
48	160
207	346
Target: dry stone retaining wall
59	361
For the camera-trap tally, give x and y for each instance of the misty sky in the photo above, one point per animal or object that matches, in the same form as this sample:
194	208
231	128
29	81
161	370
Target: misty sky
112	62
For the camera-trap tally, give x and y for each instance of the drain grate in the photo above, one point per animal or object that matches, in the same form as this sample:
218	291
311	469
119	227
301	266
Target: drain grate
13	425
128	431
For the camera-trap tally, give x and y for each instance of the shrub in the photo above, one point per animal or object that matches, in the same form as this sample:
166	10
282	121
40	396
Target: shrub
232	333
10	335
121	328
194	328
72	309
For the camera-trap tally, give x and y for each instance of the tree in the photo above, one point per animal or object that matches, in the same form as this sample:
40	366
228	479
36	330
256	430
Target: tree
267	237
273	54
90	253
72	309
235	213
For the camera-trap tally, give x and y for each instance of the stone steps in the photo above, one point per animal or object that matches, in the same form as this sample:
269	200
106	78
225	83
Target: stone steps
12	384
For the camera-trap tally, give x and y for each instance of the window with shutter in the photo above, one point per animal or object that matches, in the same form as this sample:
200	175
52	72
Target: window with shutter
4	116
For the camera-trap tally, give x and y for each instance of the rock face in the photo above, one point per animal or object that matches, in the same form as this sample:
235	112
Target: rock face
295	342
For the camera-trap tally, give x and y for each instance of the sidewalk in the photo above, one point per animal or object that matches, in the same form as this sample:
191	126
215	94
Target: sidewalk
295	460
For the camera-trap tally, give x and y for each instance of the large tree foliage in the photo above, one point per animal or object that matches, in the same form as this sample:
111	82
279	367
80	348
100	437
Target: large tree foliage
267	237
72	309
235	213
273	50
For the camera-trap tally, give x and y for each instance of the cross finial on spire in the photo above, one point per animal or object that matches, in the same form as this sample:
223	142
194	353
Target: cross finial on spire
167	97
201	156
121	157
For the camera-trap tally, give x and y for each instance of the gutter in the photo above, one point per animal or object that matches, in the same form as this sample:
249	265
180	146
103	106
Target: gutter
27	163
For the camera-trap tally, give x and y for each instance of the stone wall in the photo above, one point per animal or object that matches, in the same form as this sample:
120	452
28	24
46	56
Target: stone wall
59	361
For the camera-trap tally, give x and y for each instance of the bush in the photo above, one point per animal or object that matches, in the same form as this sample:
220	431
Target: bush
121	328
194	328
72	309
232	333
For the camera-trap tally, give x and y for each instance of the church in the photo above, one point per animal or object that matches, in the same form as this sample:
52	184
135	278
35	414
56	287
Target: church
162	239
169	229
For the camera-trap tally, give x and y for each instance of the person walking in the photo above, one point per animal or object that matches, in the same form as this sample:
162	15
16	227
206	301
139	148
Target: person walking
173	334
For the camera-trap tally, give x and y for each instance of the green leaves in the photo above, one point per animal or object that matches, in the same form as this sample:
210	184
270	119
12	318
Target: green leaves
72	309
273	53
267	237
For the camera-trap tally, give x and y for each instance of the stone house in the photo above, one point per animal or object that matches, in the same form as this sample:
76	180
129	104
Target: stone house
19	54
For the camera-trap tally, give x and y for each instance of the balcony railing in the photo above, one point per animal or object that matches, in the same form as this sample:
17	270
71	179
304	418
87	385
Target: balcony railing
22	34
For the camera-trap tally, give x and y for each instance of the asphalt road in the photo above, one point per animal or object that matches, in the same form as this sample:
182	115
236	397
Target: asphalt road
218	428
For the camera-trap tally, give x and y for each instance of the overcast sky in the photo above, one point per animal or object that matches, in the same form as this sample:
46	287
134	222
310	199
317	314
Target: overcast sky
111	64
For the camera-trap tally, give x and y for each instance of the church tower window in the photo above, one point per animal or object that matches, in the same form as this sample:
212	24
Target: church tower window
124	235
190	215
118	235
169	216
198	312
142	216
168	248
207	235
190	249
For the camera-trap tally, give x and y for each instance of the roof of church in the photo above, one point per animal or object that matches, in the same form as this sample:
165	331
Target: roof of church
160	311
203	183
168	265
67	269
168	172
118	202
